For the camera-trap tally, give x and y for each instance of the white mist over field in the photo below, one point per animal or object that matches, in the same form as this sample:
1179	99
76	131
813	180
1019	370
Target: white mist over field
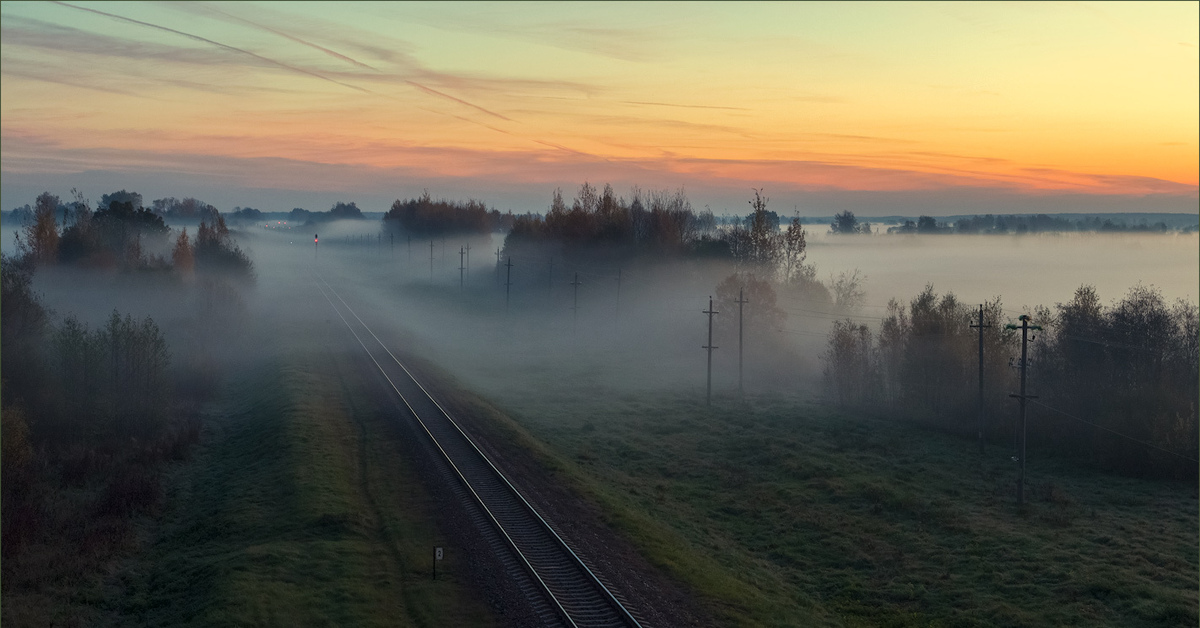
1024	270
542	346
652	336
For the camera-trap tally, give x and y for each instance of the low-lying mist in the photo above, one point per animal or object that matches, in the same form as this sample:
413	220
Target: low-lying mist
1024	270
639	325
553	334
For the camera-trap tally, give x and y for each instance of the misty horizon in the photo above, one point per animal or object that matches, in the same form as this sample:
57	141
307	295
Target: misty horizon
507	314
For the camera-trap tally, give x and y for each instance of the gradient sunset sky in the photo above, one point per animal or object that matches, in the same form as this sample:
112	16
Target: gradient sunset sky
881	108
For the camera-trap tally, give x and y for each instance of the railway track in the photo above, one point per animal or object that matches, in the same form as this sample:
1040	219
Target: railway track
561	589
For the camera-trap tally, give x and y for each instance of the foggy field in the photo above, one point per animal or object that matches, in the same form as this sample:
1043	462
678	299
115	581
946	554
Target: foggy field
707	314
1025	270
786	511
781	512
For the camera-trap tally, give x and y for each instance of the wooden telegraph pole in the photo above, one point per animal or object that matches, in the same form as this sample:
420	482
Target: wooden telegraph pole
980	326
575	304
741	303
708	389
461	267
507	282
1024	366
618	295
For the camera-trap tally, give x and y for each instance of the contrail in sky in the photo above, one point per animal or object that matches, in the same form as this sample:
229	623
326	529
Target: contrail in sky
218	44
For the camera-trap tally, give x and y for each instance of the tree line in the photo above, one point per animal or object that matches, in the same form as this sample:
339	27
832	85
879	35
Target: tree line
1013	224
1131	368
84	408
426	217
845	223
95	411
768	260
122	234
599	222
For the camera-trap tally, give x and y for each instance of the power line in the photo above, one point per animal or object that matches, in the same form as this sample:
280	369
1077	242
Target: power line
1110	344
1114	432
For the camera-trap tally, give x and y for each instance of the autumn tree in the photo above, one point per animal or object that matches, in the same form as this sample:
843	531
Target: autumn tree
182	256
40	241
762	246
215	251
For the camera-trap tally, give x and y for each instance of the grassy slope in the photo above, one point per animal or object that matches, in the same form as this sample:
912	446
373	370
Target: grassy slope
299	511
786	513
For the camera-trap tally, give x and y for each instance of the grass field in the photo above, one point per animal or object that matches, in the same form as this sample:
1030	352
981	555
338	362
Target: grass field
784	512
297	511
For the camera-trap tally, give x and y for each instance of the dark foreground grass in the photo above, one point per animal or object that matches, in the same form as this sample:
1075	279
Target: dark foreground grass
299	511
782	512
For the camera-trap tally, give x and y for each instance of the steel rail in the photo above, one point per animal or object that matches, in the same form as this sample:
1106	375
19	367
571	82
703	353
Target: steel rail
558	605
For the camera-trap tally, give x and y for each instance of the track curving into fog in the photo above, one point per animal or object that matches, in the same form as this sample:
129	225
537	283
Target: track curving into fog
562	590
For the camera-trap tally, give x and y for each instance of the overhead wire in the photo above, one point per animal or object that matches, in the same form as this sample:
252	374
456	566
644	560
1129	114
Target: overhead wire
1112	431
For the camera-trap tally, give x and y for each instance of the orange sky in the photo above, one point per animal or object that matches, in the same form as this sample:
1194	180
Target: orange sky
1028	99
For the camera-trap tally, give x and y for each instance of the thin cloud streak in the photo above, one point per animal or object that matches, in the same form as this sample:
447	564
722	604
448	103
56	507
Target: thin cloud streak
48	78
58	38
273	62
667	104
288	36
282	65
430	90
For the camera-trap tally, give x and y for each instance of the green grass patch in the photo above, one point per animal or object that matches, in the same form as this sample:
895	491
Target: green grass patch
783	512
298	511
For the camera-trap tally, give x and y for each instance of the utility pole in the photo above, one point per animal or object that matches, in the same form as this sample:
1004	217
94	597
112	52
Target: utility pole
741	303
497	265
708	390
1024	366
431	260
507	282
461	267
980	326
575	304
618	295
